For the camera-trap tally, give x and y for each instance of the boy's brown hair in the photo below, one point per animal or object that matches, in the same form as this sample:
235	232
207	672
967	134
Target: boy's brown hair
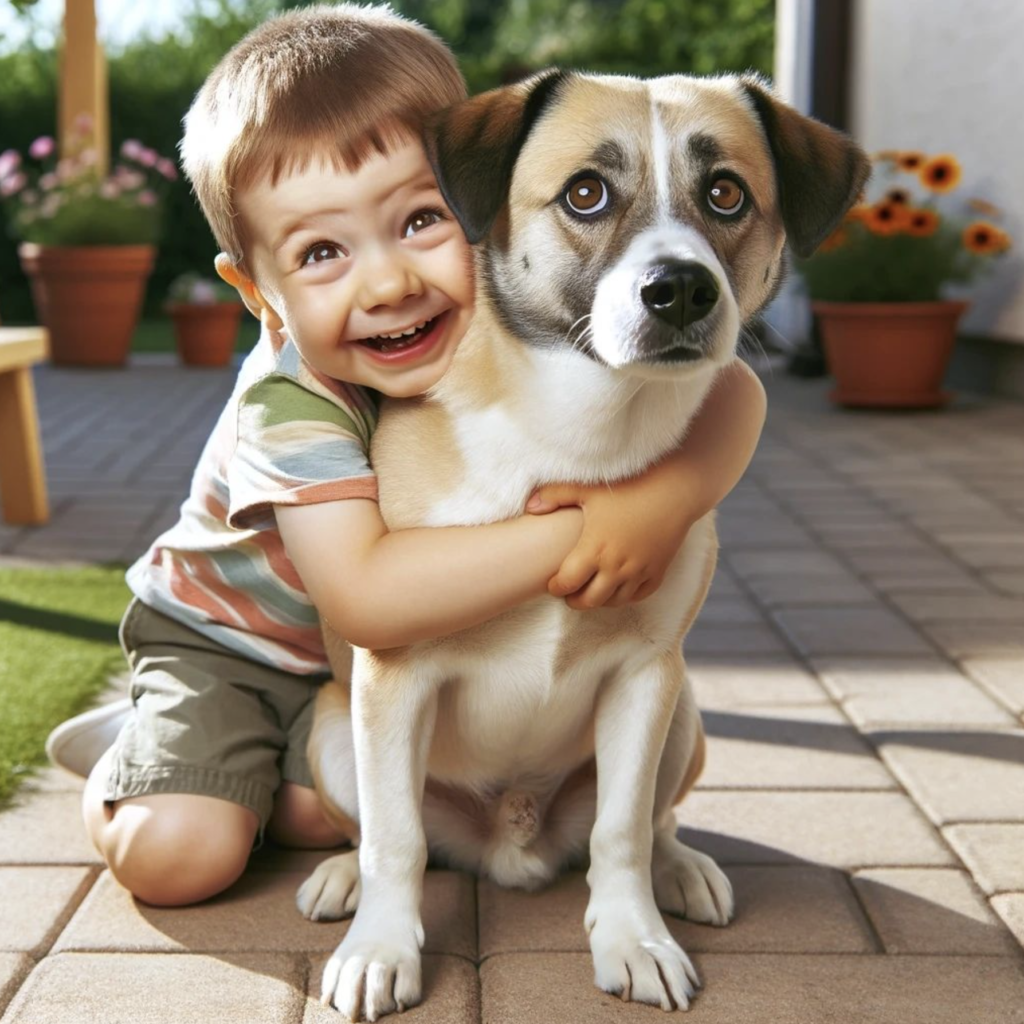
336	83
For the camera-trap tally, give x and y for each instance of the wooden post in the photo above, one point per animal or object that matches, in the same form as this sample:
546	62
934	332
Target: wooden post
83	82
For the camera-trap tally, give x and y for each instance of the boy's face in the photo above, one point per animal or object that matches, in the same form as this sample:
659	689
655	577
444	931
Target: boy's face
346	259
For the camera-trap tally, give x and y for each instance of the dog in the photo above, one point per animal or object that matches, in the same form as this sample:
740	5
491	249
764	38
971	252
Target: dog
625	230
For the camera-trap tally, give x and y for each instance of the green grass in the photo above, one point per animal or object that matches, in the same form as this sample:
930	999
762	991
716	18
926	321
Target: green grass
58	648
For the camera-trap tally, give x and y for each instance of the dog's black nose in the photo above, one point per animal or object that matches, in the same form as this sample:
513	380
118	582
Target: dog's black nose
679	292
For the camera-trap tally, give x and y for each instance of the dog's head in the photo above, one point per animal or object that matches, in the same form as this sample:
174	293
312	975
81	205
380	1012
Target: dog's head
639	222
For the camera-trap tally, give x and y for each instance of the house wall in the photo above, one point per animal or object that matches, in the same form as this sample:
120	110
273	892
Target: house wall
948	76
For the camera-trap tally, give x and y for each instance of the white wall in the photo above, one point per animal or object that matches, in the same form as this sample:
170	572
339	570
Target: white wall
948	76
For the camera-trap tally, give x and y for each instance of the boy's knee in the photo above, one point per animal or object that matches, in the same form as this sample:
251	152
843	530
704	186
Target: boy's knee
173	850
298	820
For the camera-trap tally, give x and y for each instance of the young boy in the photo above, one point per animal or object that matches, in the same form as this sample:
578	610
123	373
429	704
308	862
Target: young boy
303	149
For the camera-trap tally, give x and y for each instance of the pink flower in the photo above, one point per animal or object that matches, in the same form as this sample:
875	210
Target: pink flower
13	183
166	168
129	179
131	148
49	181
29	196
148	157
110	189
88	157
66	169
10	161
42	148
147	197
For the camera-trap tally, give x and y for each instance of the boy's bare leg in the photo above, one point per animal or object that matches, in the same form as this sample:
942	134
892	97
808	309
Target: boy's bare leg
169	849
298	820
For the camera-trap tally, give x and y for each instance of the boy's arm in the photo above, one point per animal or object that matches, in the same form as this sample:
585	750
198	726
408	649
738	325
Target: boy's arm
633	529
380	589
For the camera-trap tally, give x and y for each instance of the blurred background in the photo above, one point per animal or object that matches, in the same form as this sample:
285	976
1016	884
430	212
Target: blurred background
912	74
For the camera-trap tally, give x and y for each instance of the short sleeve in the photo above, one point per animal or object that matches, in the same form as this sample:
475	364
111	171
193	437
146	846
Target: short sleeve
294	447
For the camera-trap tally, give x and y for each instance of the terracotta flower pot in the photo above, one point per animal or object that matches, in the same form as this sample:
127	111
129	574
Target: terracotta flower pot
889	354
205	332
88	297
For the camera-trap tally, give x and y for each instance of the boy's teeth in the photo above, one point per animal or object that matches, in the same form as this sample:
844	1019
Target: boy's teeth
401	334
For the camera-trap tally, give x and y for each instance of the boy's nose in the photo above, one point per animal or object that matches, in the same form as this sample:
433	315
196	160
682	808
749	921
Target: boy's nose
388	284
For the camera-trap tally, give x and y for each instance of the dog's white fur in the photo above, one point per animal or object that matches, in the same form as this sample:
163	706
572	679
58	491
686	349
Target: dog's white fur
482	746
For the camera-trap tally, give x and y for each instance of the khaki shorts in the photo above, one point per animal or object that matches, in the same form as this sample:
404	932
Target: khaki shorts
207	720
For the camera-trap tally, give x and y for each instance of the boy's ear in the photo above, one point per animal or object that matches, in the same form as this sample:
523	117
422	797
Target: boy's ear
819	171
232	274
473	147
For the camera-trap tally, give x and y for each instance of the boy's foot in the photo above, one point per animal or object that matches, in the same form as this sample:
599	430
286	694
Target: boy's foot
77	744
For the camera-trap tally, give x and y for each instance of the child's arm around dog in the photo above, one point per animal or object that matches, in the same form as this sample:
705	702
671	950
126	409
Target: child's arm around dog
633	529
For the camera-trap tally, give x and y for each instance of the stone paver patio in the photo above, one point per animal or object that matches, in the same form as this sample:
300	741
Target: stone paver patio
860	665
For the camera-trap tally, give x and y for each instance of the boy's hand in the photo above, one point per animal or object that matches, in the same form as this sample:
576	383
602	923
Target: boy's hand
631	532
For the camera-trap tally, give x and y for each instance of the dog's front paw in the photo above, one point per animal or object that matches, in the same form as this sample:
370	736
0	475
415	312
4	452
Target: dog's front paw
689	883
374	972
637	959
332	891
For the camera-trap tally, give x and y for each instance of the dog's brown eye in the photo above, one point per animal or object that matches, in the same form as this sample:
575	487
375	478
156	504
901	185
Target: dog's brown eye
725	196
587	196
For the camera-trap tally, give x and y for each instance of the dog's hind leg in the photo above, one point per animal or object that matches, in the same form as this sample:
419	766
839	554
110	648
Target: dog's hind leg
687	883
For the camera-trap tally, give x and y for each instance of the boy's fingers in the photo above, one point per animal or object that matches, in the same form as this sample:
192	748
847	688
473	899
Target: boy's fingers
552	496
595	594
575	572
623	594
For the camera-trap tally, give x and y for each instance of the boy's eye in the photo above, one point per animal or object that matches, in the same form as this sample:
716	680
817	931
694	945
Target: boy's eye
322	251
420	220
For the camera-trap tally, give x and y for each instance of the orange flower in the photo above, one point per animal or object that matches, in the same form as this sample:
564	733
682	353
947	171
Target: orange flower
899	196
982	206
834	241
886	219
911	160
922	223
984	238
886	154
941	174
857	214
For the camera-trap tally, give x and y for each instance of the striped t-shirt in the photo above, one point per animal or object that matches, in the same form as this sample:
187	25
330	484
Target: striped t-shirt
287	436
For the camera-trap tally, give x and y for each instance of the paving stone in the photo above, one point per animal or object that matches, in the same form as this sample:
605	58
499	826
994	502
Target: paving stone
876	630
745	530
711	638
732	611
789	748
792	909
950	608
933	910
814	591
258	914
129	988
1010	907
36	904
52	780
964	639
994	853
890	690
45	828
843	830
13	969
451	995
959	777
526	988
735	682
1011	582
794	563
1003	677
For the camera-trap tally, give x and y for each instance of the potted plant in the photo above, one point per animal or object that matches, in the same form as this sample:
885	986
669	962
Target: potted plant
206	314
879	284
87	241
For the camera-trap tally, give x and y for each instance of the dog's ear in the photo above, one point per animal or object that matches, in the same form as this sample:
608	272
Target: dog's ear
819	171
474	145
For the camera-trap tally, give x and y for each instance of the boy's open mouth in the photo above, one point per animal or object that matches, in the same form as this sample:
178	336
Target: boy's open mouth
400	340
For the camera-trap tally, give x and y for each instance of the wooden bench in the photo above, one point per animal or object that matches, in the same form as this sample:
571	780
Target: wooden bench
22	477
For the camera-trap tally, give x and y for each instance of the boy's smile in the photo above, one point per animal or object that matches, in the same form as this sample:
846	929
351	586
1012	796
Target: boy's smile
366	271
